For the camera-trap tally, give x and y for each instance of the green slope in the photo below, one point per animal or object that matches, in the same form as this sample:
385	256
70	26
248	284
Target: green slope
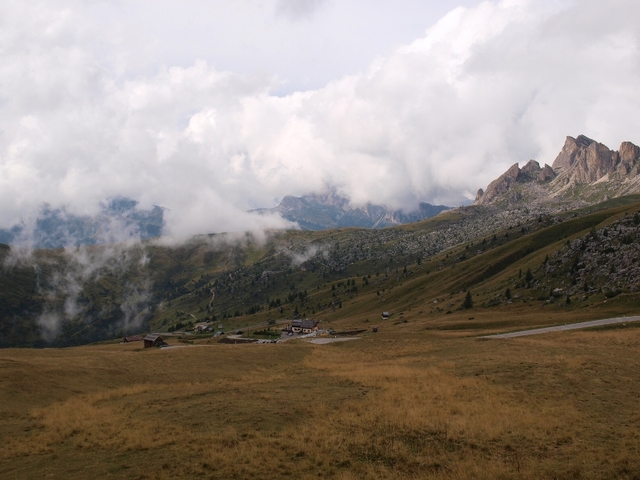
343	277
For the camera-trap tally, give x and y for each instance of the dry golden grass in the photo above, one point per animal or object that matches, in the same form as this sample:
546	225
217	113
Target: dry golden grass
406	403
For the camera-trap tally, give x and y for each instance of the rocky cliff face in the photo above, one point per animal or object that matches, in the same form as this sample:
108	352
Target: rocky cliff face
584	171
583	160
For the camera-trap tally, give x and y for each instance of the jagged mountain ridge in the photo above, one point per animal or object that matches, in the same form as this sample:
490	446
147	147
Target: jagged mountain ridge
584	172
331	210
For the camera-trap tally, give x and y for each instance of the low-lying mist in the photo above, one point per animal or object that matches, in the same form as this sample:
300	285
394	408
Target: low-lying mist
83	293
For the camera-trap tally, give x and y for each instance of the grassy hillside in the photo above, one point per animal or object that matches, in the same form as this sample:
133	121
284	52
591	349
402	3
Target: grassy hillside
344	278
407	284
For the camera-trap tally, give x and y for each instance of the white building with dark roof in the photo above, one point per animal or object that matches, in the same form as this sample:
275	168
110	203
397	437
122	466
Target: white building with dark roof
304	326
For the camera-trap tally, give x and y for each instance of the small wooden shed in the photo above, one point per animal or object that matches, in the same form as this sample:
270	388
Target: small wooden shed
153	340
133	338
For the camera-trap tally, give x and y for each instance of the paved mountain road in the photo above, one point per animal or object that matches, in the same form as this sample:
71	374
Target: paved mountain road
324	341
560	328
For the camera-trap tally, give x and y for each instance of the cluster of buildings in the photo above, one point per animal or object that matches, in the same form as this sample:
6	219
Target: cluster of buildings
300	326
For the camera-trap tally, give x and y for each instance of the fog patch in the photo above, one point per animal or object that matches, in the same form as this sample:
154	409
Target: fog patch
68	281
213	218
298	257
118	220
49	323
135	305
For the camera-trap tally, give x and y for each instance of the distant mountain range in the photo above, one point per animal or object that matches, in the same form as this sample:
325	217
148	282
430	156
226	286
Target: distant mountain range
119	220
584	172
331	210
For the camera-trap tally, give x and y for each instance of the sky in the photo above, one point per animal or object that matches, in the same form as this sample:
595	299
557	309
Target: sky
210	109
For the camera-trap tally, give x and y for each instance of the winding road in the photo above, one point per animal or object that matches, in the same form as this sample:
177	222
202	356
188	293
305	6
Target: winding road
560	328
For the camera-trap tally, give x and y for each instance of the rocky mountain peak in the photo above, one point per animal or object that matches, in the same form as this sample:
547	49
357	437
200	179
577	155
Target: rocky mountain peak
629	153
570	150
290	203
531	168
499	186
582	160
531	172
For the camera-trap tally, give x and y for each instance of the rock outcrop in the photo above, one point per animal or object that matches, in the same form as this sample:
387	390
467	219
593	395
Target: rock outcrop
583	160
601	173
572	146
628	158
531	172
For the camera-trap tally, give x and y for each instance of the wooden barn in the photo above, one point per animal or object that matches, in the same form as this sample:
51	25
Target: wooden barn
133	338
153	340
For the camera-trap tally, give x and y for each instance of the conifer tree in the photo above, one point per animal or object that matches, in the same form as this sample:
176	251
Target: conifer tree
468	300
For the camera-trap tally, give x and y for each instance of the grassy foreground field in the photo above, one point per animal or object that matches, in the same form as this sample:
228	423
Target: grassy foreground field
415	400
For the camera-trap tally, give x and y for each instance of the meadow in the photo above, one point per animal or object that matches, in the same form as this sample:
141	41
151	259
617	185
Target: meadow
421	399
424	397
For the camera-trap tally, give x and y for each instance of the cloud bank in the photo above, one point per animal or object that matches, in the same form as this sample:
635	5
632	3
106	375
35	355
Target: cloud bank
433	120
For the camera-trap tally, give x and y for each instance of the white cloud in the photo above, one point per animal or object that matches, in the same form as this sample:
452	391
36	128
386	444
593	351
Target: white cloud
432	120
298	9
